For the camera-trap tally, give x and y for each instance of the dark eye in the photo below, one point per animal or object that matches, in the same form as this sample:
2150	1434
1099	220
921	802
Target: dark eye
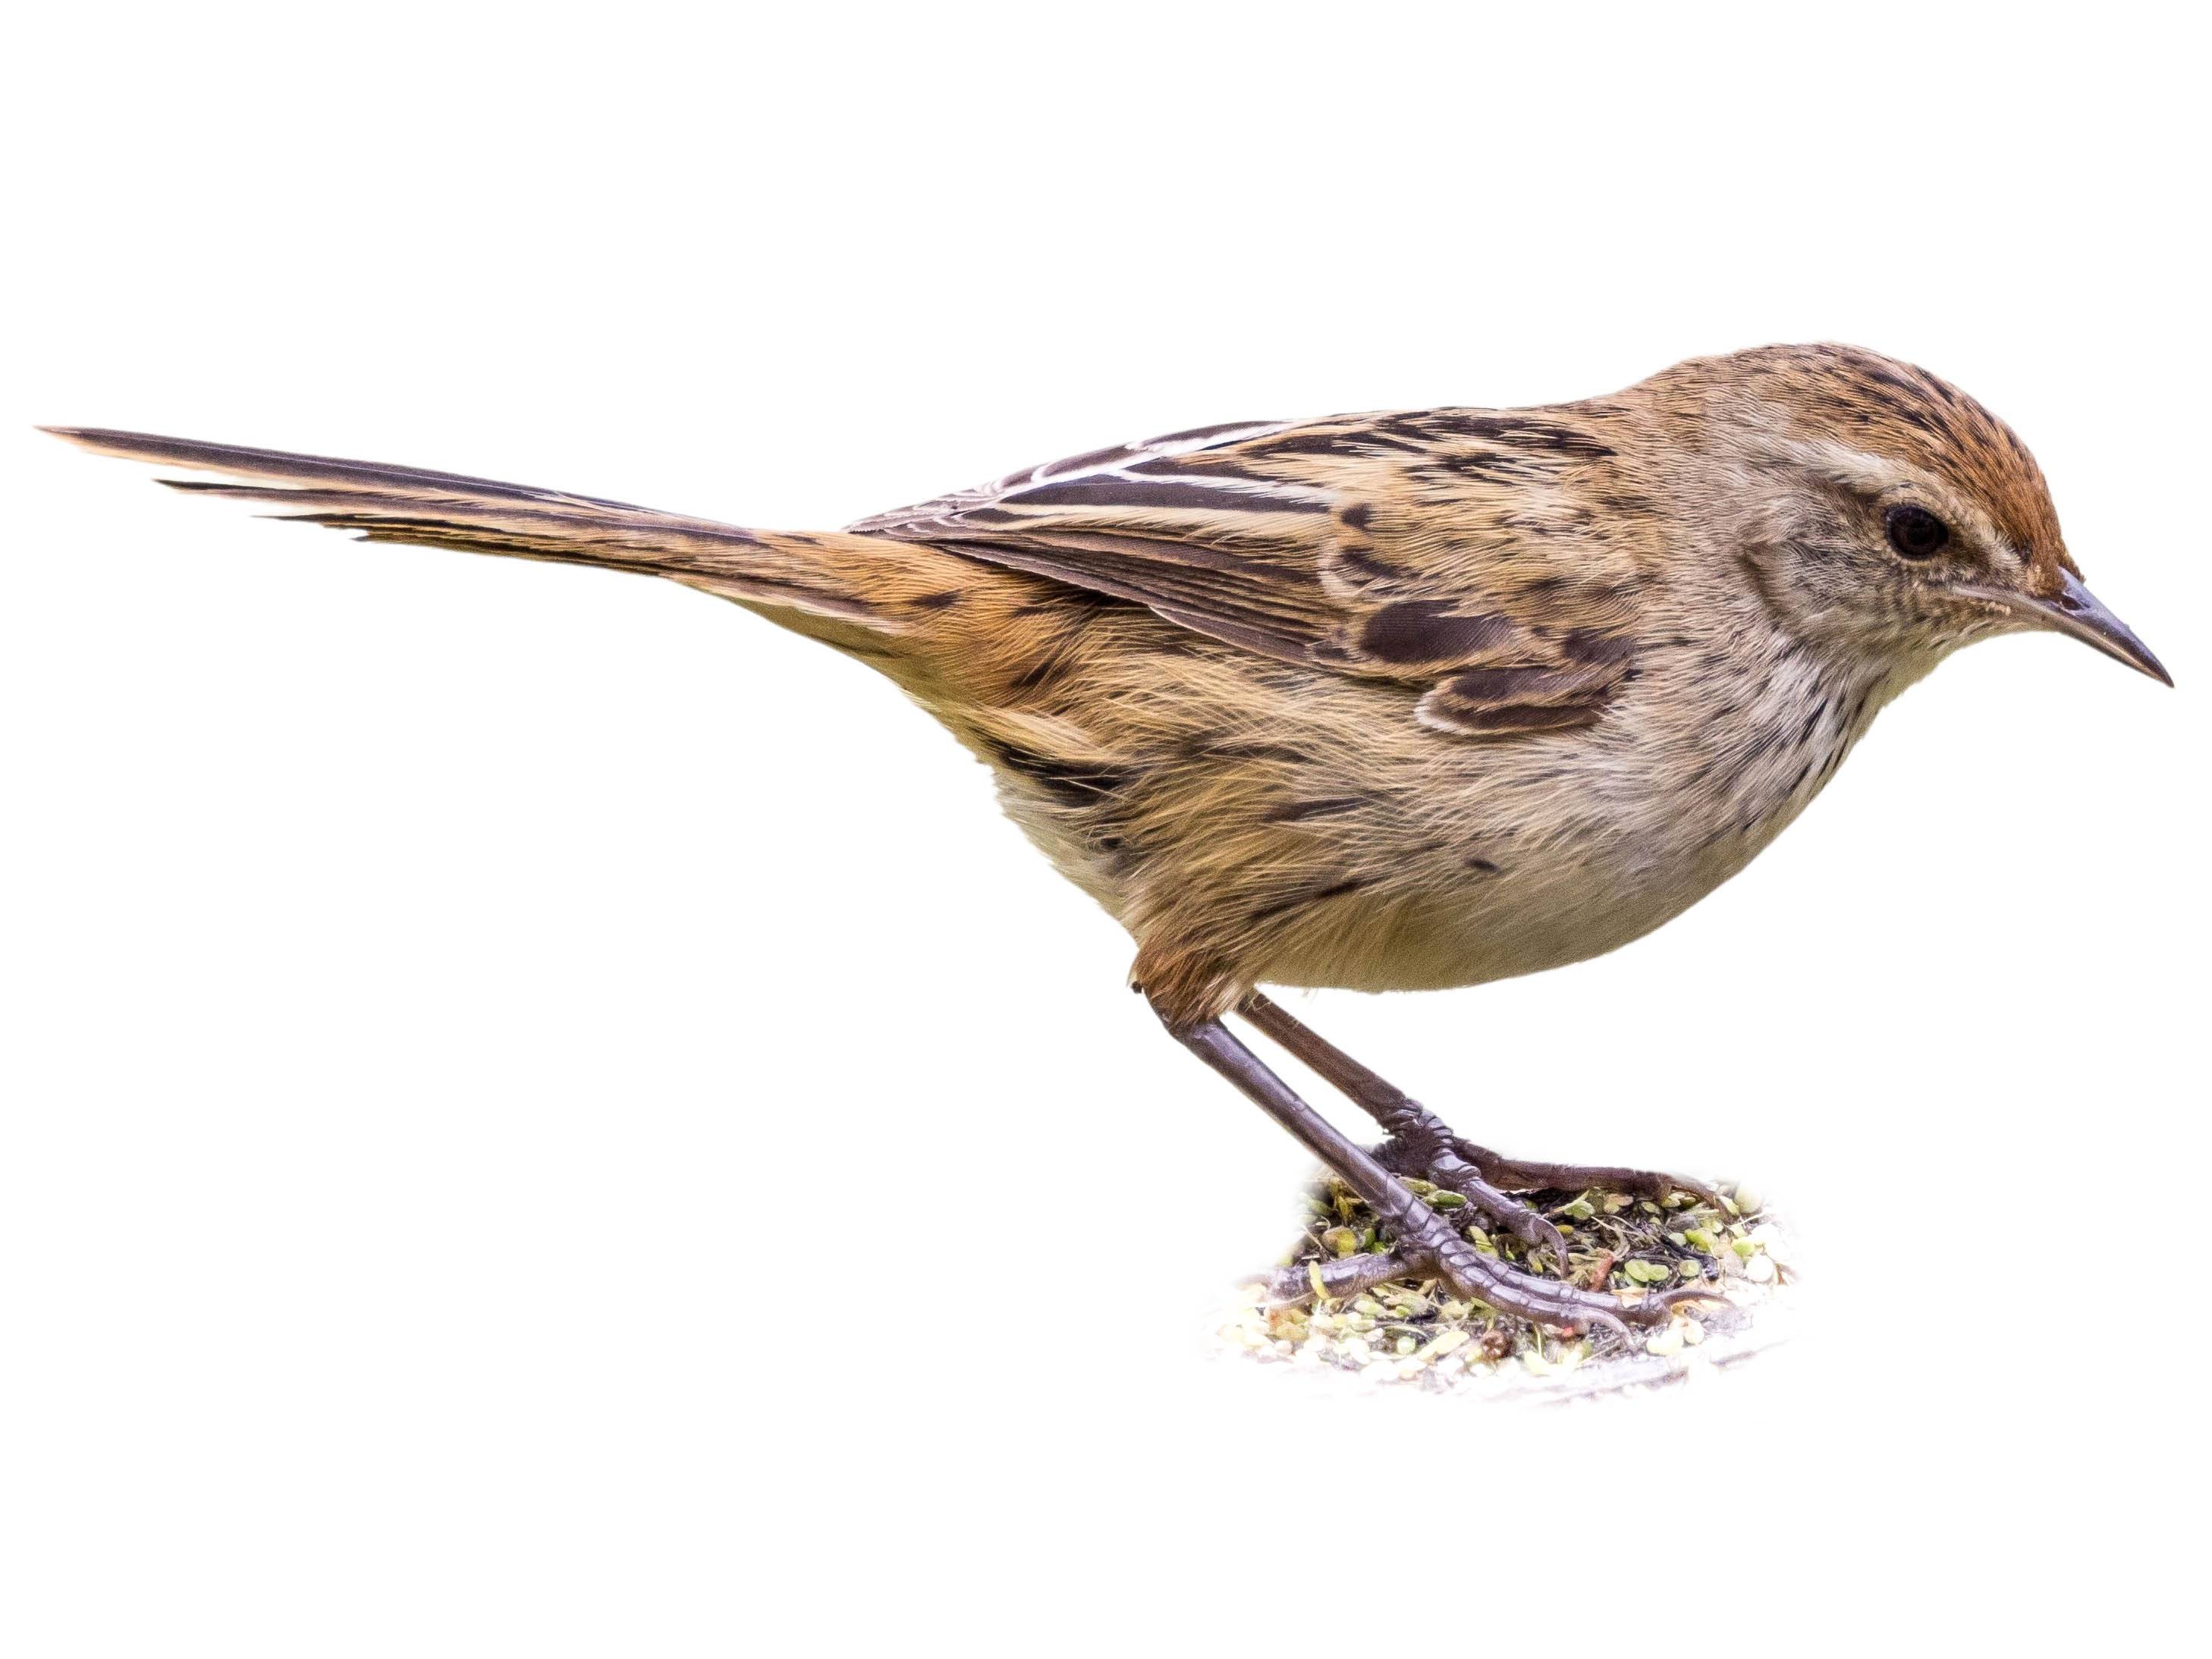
1915	532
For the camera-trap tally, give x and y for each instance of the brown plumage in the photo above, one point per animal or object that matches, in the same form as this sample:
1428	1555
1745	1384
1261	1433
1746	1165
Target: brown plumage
1386	701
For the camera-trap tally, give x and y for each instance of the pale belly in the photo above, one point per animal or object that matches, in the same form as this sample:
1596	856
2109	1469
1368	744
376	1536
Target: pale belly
1511	925
1468	861
1600	853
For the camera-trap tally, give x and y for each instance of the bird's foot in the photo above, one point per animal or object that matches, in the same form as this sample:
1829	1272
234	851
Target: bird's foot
1426	1244
1422	1147
1514	1175
1431	1160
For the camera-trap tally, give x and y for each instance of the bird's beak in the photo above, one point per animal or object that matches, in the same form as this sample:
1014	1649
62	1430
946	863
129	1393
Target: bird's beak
2075	611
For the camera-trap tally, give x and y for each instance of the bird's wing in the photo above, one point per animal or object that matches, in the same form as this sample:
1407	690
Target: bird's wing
1461	550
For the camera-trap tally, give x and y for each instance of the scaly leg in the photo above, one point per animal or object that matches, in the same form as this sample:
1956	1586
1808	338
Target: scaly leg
1422	1236
1420	1142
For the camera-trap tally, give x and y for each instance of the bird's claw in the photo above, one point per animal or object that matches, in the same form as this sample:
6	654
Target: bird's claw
1517	1175
1454	1174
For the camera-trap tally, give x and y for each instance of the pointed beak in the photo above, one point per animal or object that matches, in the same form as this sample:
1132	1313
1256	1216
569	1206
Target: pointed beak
2076	611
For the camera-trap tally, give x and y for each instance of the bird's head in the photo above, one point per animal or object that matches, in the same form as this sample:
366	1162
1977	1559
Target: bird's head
1881	511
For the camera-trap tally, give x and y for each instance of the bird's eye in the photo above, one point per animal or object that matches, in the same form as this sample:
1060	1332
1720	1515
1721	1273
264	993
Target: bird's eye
1915	532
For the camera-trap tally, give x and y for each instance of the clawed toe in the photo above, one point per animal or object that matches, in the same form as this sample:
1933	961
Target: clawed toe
1435	1172
1517	1175
1336	1281
1546	1301
1426	1244
1431	1246
1523	1221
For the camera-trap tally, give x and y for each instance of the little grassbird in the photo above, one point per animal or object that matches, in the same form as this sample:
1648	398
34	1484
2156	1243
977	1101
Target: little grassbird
1384	701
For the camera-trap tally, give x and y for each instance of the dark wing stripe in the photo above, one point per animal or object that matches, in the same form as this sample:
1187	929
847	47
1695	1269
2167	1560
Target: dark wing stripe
1242	610
1112	490
1430	630
1221	433
941	514
1164	549
1553	686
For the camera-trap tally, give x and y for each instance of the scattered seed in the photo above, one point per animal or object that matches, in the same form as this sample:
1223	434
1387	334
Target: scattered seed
1449	1342
1414	1329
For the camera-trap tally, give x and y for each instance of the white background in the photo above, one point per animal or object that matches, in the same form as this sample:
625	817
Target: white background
488	1047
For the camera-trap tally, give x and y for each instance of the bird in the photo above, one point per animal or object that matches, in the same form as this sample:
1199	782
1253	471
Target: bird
1381	701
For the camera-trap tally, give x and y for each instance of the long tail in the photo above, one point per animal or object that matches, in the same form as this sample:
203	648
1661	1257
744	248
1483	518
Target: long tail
856	590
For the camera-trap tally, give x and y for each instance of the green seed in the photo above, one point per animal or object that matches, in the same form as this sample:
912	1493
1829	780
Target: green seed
1700	1240
1339	1241
1404	1346
1448	1201
1445	1344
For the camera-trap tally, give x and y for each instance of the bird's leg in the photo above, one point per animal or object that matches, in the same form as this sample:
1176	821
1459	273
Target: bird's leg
1422	1237
1418	1141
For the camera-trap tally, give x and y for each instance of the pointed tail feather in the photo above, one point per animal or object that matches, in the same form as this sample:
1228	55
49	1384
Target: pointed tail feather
883	585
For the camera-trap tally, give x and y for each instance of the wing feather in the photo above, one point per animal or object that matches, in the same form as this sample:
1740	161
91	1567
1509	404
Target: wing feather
1457	548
